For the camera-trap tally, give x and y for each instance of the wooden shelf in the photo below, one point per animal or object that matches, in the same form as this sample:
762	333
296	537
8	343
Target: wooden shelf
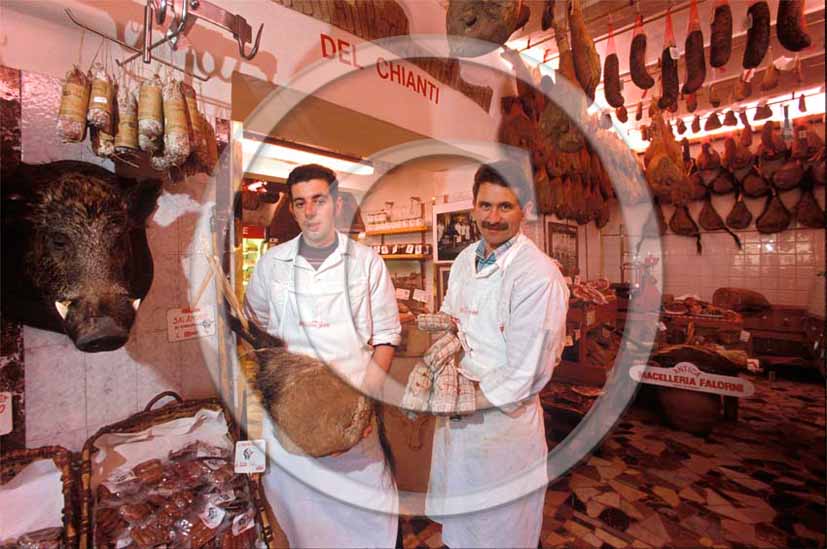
400	230
407	257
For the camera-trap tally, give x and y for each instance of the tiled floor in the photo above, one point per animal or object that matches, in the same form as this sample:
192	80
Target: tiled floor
759	482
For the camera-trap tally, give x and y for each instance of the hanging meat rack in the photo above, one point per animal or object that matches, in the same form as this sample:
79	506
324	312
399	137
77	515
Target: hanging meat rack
183	20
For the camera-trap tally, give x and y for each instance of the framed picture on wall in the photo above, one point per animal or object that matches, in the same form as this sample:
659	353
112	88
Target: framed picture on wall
453	229
561	244
442	271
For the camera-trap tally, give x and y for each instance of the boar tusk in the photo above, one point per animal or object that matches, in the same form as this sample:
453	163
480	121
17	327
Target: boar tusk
136	303
62	308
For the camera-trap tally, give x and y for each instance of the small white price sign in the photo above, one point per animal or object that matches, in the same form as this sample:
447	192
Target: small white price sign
745	335
420	295
190	323
250	456
403	293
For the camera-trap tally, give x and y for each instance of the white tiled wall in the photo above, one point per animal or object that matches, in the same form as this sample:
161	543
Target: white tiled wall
781	266
70	394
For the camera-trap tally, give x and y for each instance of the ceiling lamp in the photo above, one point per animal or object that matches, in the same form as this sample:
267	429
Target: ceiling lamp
277	158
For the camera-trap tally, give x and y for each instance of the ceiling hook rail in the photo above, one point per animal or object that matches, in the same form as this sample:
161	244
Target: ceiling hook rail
123	44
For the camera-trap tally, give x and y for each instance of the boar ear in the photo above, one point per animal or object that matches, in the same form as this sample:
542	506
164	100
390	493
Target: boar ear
142	197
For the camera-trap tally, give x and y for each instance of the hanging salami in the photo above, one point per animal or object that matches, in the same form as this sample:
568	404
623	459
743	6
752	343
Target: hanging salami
669	67
611	73
758	34
101	100
694	52
720	42
126	137
791	25
74	102
637	58
150	115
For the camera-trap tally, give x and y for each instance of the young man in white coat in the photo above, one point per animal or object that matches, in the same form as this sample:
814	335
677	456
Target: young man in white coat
509	299
330	298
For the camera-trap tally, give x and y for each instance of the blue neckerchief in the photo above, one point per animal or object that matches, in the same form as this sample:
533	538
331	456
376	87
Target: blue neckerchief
483	262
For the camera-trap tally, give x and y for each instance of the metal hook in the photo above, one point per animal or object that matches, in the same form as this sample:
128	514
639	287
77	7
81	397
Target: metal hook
254	51
179	28
161	10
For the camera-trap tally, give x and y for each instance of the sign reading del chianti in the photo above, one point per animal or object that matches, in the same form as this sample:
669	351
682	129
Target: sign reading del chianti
686	375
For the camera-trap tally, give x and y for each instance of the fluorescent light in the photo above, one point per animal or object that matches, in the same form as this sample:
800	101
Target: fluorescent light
279	160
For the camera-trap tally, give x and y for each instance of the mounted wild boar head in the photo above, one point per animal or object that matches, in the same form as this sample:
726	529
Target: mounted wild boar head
75	254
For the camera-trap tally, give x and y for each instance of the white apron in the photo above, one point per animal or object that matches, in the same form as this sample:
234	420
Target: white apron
348	500
490	458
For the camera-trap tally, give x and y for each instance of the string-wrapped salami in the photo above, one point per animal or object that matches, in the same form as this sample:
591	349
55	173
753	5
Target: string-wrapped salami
176	124
126	136
176	129
101	100
197	141
150	115
74	102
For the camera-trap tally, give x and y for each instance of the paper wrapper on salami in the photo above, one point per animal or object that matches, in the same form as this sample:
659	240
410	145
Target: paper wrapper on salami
176	124
101	100
74	102
126	137
197	141
150	115
208	157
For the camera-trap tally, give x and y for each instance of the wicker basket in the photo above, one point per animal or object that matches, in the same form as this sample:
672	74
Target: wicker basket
142	421
16	460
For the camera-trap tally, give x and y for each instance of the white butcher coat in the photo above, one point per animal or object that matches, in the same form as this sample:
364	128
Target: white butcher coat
512	316
348	500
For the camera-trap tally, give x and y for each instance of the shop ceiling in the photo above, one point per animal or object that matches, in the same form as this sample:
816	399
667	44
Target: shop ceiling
540	44
319	123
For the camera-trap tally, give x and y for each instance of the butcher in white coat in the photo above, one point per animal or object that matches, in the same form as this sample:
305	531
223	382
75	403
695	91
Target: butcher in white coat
332	299
488	469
